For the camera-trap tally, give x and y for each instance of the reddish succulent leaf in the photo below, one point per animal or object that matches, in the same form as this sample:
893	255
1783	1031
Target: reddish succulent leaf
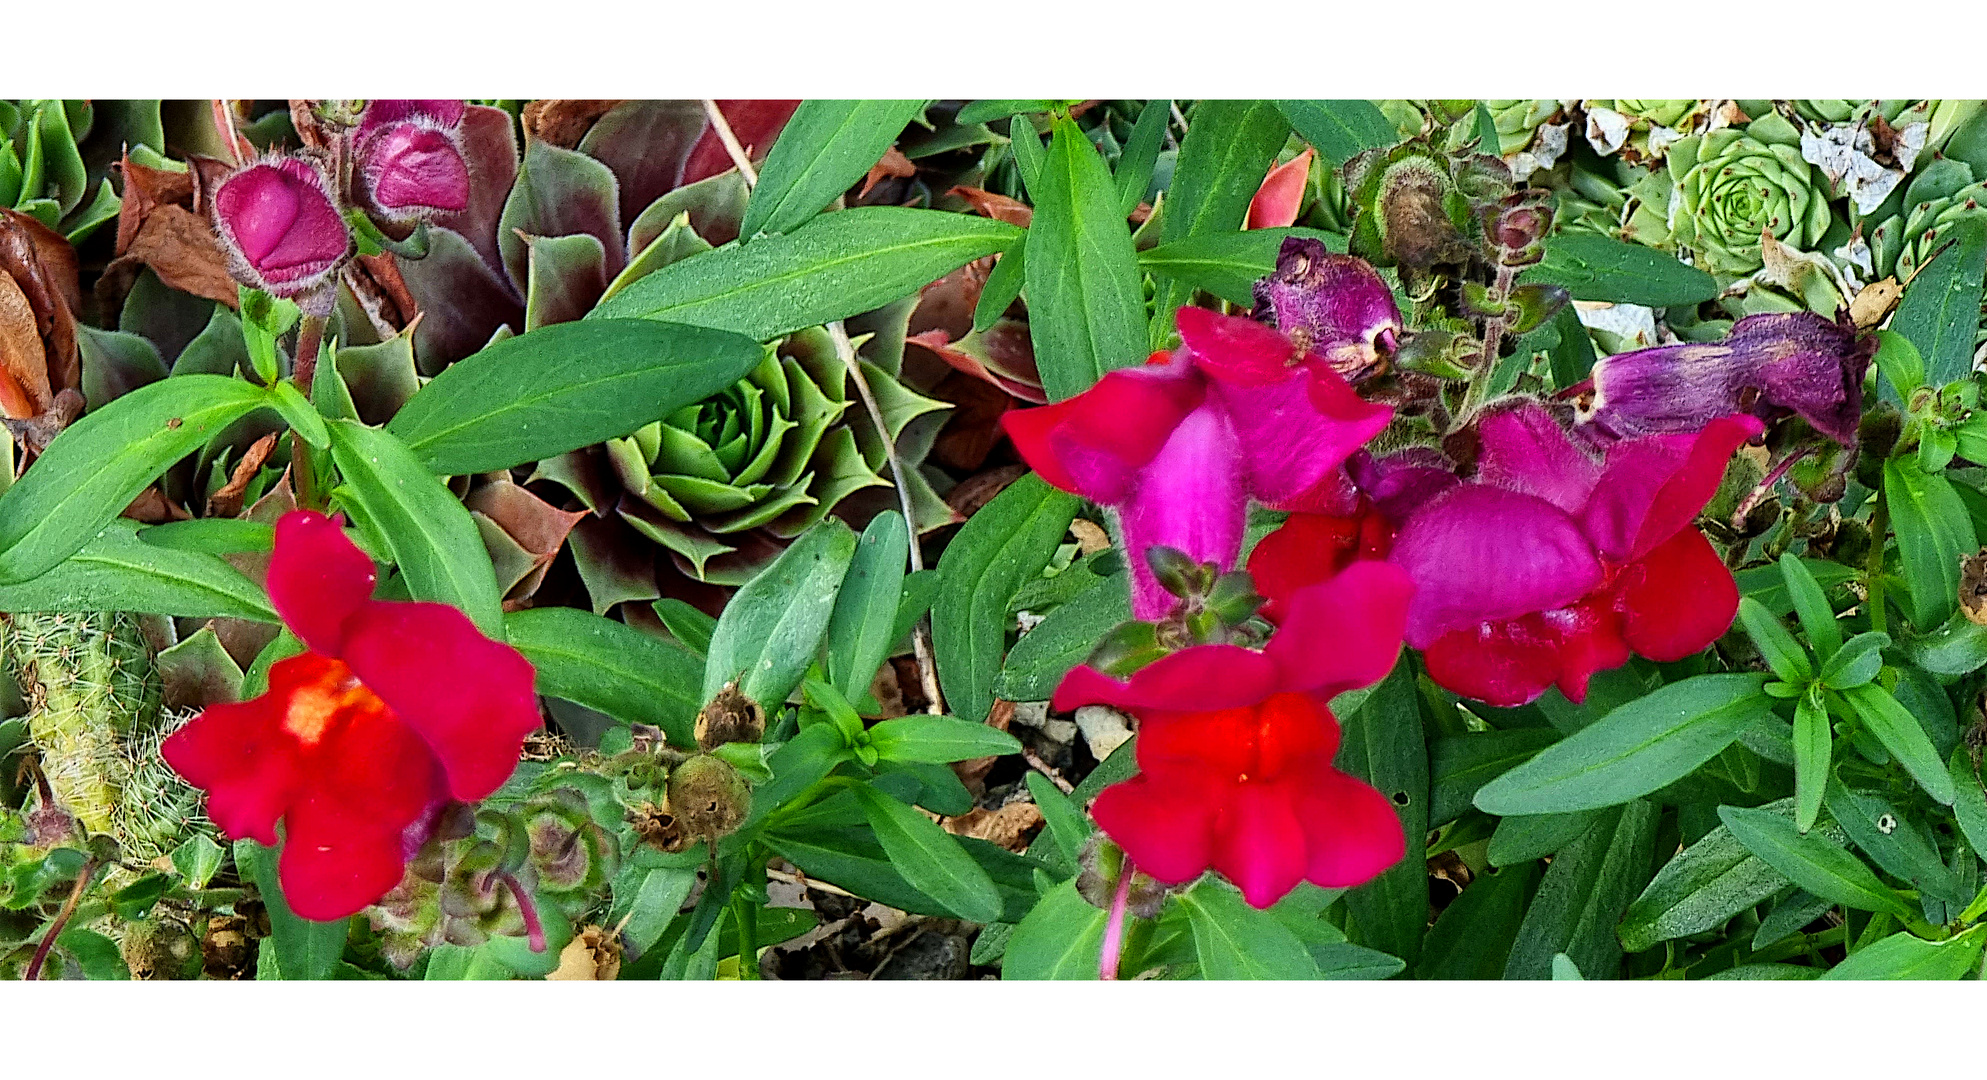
563	122
1001	356
489	146
998	207
756	123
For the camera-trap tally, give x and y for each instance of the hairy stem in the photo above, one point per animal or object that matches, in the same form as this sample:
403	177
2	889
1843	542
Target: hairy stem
61	920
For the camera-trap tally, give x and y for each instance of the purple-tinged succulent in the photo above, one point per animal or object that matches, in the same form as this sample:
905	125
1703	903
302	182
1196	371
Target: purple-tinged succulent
410	159
1333	304
278	221
1769	365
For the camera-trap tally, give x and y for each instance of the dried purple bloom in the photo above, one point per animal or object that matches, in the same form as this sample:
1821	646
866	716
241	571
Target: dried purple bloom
278	220
1769	365
410	158
1335	305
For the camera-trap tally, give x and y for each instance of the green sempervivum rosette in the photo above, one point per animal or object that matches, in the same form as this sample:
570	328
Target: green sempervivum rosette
1732	185
1673	113
55	157
1518	120
723	484
1943	194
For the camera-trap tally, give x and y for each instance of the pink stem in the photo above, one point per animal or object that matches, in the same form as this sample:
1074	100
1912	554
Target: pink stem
534	931
1114	930
1760	490
61	920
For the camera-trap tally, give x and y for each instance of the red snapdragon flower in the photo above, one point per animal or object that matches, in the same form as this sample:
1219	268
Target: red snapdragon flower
1180	445
1550	565
397	709
1235	748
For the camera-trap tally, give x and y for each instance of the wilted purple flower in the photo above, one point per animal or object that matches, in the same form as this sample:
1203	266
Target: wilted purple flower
279	222
1335	305
1769	365
410	158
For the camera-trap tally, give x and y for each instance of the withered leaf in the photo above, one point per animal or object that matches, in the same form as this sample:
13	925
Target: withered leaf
23	364
227	502
563	122
893	163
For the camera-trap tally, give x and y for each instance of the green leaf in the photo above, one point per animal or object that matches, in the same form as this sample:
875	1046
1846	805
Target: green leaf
1812	863
1005	544
212	536
772	627
1472	937
1768	584
1086	303
93	470
1634	749
1897	360
1933	532
938	740
1068	830
981	111
433	539
1969	801
1563	967
1897	842
689	626
930	858
835	266
566	386
1227	264
1461	764
119	571
824	149
1061	641
1384	746
1813	744
611	667
1236	941
1062	938
1941	307
302	948
1904	737
1902	956
1595	267
1783	654
1026	144
860	630
1141	153
1522	838
1342	129
1587	887
198	860
297	412
1857	662
1227	151
1003	285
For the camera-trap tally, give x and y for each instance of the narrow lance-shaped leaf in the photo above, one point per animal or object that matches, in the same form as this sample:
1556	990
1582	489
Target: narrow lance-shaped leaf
860	628
1235	941
1904	737
1810	862
835	266
1086	304
1594	267
1813	743
929	857
1783	654
1941	308
1933	532
118	571
1811	605
1342	129
611	667
1633	750
824	149
772	627
1141	153
1007	542
93	470
1227	151
938	740
433	539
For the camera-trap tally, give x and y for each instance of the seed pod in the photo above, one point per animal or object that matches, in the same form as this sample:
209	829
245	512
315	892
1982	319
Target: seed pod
708	797
730	717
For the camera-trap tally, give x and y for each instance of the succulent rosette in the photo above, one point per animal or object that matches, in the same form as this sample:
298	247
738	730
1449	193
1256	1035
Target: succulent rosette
1903	243
1733	185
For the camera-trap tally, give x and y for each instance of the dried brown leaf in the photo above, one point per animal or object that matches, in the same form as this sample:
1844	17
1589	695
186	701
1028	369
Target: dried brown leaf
23	364
893	163
227	502
563	122
996	206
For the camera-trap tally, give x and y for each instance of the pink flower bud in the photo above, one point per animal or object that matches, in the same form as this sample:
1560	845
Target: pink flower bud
409	158
279	222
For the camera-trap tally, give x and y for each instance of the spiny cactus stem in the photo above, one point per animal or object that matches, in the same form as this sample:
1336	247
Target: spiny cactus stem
534	930
61	920
1114	929
731	145
921	633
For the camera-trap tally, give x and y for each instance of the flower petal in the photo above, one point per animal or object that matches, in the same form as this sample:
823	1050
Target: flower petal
333	865
1677	599
1235	350
317	579
1525	449
1505	664
1404	481
1344	633
1167	831
1203	677
240	755
1310	548
1189	497
1479	553
469	698
1351	831
1094	443
1589	641
1655	485
1324	297
1281	195
1258	843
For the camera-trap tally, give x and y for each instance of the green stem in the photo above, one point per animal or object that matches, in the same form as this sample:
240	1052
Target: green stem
1873	570
745	913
